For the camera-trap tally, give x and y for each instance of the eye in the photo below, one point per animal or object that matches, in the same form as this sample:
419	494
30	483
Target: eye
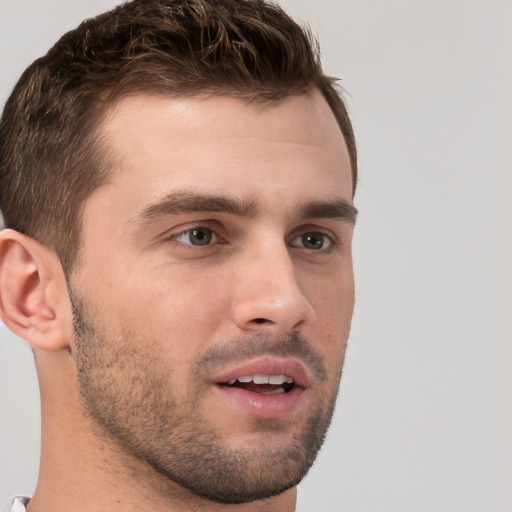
196	236
312	240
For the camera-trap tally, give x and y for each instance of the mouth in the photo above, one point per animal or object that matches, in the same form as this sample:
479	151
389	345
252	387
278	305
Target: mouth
267	387
262	384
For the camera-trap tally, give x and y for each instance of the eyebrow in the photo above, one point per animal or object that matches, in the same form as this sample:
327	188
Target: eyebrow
182	202
335	209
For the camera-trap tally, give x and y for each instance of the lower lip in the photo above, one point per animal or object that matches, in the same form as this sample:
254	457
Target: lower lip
264	406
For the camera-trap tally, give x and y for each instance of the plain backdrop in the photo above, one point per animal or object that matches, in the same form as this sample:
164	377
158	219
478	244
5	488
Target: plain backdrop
424	420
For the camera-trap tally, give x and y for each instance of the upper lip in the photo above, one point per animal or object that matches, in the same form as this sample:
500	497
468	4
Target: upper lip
267	365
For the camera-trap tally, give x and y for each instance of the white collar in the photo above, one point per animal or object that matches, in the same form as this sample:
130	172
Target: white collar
18	504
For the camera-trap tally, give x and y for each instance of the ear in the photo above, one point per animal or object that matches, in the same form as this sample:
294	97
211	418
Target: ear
34	300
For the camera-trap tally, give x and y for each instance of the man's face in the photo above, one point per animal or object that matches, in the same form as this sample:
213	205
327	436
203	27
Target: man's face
214	290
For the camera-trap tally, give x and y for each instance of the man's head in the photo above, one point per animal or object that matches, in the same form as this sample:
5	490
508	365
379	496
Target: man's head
53	154
204	167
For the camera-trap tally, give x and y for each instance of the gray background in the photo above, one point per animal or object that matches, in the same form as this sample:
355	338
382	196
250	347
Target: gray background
424	419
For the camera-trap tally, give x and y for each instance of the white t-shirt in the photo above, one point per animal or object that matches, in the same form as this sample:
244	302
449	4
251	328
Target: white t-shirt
18	504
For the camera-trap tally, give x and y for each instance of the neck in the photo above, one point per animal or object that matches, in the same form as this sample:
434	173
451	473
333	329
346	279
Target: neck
84	471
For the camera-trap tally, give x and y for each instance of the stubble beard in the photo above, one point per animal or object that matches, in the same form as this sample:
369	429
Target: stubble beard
125	393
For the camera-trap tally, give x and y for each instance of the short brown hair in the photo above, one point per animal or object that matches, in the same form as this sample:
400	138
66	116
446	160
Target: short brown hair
51	158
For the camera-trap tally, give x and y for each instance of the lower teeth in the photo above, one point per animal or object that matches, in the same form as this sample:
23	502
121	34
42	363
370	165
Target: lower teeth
275	392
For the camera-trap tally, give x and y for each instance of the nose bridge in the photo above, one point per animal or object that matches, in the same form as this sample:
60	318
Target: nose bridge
268	294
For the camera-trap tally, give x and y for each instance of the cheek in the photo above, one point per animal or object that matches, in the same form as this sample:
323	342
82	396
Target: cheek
178	309
330	289
333	303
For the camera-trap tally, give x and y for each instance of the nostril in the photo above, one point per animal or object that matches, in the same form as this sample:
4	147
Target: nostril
260	320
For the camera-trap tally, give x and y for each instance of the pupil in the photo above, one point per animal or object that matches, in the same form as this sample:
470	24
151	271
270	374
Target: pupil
201	236
313	241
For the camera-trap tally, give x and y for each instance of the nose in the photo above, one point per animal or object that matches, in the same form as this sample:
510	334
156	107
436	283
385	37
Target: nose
268	297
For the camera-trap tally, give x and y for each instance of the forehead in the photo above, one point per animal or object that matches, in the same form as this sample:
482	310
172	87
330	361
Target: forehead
221	144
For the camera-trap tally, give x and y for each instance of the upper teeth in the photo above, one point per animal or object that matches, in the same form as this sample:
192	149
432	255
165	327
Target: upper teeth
258	378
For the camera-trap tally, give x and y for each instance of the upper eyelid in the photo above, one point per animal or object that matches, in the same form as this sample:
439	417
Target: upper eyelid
186	230
175	235
188	226
302	230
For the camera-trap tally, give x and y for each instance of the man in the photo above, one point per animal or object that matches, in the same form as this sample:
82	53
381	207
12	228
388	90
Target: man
176	182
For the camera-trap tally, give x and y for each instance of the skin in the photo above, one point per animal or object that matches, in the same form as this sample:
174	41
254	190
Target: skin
153	304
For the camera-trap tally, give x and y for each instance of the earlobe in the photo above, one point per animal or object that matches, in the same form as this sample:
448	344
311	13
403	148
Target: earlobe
34	302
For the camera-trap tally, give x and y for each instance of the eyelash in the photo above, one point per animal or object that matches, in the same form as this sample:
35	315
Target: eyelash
214	234
195	228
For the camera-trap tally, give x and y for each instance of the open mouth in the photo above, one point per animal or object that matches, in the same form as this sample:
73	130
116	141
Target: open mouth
266	387
262	384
